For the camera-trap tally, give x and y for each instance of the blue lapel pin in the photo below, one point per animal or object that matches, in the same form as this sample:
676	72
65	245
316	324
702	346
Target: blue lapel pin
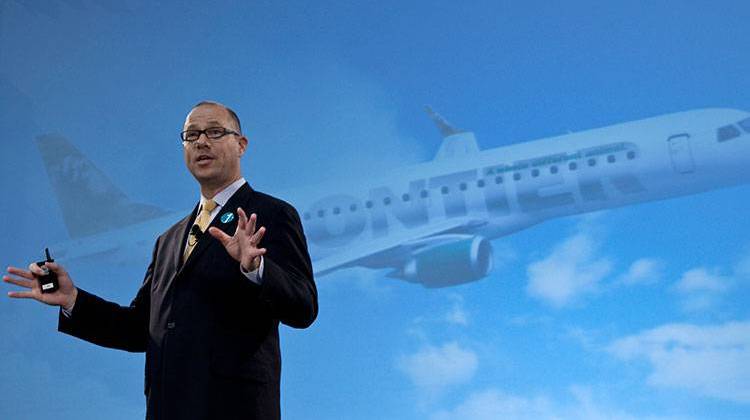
227	217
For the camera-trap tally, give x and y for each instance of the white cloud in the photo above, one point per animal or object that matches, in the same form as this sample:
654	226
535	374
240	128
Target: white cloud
493	404
700	288
701	280
432	369
572	269
457	314
711	361
644	270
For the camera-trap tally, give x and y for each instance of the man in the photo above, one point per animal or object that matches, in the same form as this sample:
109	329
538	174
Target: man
208	310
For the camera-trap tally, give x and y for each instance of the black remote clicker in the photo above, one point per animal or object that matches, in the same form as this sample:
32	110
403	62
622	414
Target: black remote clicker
47	282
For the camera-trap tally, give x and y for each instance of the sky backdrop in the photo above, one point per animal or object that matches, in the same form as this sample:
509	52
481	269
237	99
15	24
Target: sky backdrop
636	312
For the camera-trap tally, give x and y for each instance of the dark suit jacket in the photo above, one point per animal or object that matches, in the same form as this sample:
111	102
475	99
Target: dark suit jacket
210	334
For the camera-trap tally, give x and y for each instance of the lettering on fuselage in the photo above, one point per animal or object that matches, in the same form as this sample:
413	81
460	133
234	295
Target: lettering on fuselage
538	185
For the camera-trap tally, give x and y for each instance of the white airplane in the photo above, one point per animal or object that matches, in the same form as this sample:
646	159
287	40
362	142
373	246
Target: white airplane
432	223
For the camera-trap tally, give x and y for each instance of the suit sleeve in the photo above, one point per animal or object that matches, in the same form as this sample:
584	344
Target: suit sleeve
108	324
288	288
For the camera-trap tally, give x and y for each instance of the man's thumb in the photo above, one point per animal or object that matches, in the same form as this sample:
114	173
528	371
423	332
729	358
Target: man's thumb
219	235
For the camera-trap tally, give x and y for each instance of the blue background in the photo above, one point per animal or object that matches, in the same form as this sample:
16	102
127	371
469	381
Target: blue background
330	89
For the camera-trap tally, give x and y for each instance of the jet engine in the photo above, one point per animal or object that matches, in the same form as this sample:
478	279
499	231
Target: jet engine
449	263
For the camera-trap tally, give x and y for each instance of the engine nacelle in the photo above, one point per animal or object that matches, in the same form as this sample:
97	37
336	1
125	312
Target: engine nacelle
449	263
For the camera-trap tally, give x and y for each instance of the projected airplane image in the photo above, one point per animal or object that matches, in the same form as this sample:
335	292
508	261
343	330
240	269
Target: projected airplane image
432	223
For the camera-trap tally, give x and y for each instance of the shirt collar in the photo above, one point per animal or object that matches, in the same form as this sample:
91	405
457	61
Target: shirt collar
224	195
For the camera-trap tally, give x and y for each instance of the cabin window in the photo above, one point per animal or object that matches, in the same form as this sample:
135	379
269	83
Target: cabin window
611	159
498	180
424	194
535	173
480	183
517	176
553	169
353	207
387	201
630	155
462	186
572	166
444	190
727	132
336	210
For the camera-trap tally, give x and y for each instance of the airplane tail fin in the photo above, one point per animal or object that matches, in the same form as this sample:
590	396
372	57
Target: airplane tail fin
89	201
446	129
456	143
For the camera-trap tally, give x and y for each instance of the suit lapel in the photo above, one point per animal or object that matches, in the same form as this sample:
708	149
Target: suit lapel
221	221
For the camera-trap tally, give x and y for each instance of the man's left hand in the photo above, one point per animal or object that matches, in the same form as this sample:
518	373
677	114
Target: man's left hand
243	246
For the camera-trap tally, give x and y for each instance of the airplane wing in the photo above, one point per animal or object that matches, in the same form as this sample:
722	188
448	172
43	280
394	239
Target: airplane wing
394	247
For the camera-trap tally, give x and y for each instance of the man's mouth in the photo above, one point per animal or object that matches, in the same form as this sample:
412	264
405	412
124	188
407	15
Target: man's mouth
203	158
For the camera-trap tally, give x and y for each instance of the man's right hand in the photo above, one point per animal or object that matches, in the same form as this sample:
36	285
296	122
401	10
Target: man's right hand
64	296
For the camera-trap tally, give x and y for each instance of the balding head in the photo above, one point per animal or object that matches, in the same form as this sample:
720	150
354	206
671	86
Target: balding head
232	115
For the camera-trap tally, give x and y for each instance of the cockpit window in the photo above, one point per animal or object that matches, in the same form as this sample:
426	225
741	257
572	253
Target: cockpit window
745	124
728	132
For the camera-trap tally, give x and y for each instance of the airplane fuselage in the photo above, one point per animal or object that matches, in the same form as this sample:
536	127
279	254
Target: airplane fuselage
513	187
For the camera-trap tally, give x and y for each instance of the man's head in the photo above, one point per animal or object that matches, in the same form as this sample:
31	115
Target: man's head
215	163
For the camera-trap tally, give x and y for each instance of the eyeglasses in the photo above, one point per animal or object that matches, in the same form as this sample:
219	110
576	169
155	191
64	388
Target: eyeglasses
213	133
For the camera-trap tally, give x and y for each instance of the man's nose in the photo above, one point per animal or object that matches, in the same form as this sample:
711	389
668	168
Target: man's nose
202	140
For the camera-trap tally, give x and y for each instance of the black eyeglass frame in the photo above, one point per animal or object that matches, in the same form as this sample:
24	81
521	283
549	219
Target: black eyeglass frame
221	134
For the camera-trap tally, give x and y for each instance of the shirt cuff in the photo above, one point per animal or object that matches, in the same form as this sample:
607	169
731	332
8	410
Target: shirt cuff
255	276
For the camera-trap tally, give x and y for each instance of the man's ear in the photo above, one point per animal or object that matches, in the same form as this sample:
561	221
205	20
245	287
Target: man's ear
243	145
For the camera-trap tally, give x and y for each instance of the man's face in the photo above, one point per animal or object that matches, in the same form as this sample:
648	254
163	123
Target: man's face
213	162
